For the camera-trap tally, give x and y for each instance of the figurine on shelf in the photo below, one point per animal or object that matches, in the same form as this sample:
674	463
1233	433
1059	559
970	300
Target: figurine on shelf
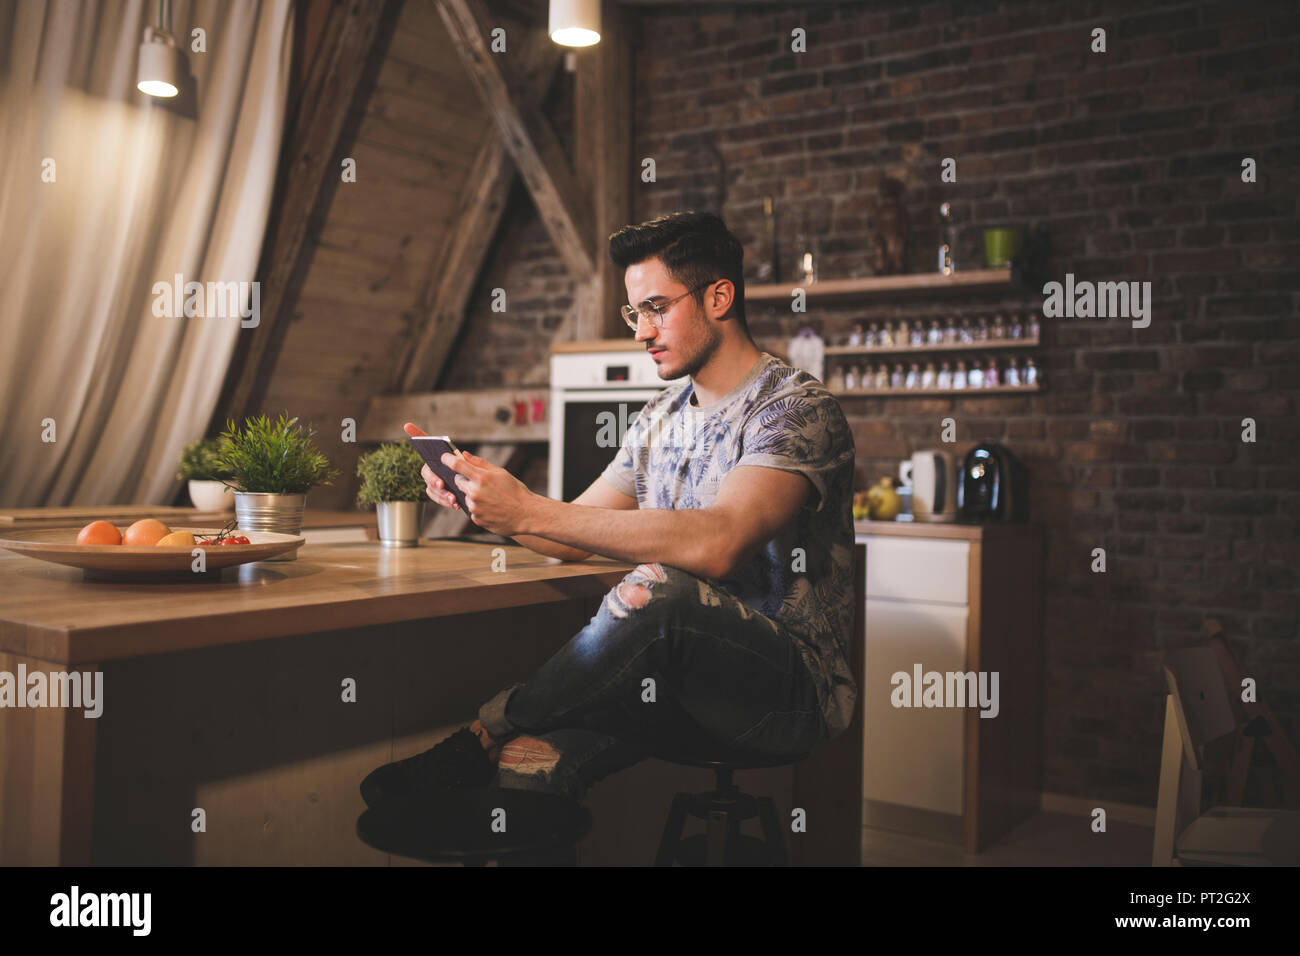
837	379
959	375
913	379
982	330
1032	330
927	375
950	331
886	336
1017	330
855	337
896	376
1031	373
964	335
918	334
890	238
873	336
991	374
975	378
999	330
944	378
882	376
935	335
1013	372
851	379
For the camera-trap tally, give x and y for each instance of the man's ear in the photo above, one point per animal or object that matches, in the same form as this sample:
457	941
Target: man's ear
724	293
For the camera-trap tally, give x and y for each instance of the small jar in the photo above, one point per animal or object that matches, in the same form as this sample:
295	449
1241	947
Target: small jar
944	378
959	375
964	334
927	375
991	374
913	379
999	329
975	377
896	376
855	337
882	376
1013	372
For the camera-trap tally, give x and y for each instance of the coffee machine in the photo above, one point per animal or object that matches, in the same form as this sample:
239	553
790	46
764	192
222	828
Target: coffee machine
993	485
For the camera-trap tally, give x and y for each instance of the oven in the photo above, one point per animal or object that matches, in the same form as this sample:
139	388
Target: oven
597	388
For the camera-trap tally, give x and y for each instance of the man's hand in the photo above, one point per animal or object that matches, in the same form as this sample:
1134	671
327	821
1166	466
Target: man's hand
498	501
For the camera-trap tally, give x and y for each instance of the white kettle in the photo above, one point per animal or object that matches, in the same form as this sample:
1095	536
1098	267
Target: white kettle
934	485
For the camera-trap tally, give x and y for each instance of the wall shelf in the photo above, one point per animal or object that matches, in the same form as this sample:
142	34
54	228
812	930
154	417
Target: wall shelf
945	392
930	282
985	346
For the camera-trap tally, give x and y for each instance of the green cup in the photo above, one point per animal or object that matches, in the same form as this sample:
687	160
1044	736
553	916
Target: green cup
1000	246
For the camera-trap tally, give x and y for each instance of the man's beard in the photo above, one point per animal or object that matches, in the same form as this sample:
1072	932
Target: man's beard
702	351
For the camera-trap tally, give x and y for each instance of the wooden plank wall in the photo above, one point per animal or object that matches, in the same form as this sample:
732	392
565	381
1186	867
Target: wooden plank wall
414	143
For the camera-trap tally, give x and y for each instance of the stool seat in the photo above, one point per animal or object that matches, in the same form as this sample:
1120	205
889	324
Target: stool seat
712	756
456	826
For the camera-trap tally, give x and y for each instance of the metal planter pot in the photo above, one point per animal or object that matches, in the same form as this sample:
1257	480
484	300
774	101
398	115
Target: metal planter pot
399	523
263	511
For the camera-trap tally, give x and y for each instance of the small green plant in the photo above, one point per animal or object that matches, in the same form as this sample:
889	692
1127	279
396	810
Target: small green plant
200	462
273	457
390	473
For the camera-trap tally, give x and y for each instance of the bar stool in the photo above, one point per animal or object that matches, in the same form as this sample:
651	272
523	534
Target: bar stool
722	809
455	826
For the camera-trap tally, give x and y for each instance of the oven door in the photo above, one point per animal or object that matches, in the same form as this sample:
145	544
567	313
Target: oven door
587	428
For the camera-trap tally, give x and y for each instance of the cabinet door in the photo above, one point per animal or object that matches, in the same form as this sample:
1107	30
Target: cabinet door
914	756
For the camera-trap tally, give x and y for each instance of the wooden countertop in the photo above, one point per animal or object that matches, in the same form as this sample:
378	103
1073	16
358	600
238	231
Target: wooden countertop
48	611
73	516
935	529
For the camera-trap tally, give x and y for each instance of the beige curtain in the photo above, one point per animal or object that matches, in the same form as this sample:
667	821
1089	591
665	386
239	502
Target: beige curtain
143	190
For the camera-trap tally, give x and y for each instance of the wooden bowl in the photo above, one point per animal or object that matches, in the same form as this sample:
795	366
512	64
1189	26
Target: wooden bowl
131	562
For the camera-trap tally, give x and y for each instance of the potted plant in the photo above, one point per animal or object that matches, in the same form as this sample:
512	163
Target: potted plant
391	481
206	479
272	466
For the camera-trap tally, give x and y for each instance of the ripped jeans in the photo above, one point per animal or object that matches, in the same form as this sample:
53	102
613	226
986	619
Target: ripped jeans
720	671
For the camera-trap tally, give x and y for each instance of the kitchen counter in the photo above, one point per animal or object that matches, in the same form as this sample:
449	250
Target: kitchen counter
938	529
265	696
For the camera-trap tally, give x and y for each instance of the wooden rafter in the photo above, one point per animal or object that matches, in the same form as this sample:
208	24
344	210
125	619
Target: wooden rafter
342	70
565	210
446	291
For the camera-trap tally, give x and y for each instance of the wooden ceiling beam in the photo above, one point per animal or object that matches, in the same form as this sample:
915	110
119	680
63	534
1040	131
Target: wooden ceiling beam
446	289
352	43
537	154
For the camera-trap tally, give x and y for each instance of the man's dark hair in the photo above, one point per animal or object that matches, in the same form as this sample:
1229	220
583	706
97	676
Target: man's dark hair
696	249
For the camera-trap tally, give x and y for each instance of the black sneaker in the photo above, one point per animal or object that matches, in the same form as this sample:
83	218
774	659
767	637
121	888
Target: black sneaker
457	763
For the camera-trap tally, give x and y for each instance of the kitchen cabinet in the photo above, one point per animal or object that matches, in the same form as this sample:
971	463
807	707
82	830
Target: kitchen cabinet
963	602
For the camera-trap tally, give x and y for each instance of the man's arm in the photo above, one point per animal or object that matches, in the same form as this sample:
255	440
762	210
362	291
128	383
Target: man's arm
753	504
599	494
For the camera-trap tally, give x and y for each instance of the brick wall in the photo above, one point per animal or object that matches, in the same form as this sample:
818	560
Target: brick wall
1132	159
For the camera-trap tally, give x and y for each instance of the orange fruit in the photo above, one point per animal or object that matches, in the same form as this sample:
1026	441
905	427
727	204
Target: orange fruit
99	532
177	539
146	531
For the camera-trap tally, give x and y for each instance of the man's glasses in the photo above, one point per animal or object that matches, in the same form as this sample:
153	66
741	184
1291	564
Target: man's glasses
653	312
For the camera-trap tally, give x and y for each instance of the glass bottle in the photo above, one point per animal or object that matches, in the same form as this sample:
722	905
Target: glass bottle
948	241
1013	372
999	330
851	378
927	375
896	376
991	373
982	330
1031	373
944	378
1031	332
959	375
1017	330
886	335
975	377
935	335
902	334
950	331
882	376
913	379
918	334
964	334
855	337
837	379
873	336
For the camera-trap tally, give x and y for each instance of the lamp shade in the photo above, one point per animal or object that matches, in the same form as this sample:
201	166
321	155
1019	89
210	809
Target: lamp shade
158	72
574	22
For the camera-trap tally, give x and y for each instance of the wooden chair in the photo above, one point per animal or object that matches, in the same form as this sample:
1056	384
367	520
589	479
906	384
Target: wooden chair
1200	736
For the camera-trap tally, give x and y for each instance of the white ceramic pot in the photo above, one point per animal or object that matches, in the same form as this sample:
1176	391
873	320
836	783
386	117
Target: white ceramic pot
211	496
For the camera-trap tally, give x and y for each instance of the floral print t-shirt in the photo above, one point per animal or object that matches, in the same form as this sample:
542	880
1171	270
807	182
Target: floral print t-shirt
676	454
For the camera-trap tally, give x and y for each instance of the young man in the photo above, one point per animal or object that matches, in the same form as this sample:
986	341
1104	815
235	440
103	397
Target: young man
732	493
